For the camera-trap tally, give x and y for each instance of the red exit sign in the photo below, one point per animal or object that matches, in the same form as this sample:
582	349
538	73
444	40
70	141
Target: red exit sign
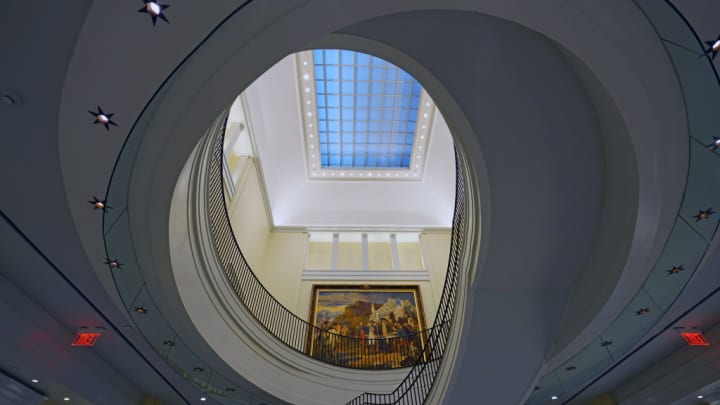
695	339
85	339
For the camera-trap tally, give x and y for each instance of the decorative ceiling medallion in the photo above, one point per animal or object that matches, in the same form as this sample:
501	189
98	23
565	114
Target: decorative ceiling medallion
314	167
675	270
141	310
155	10
703	215
642	311
113	263
99	204
714	47
102	118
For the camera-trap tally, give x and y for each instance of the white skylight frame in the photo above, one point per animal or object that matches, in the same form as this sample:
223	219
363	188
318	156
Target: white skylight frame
308	109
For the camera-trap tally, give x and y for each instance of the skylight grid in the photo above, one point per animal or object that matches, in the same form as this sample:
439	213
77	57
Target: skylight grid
366	111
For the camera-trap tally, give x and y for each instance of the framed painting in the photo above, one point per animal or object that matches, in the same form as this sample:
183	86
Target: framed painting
369	327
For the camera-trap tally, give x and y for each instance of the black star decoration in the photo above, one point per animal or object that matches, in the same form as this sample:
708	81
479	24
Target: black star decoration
702	215
113	263
102	118
571	368
169	343
715	144
642	311
140	310
199	369
675	270
99	204
155	10
714	47
606	343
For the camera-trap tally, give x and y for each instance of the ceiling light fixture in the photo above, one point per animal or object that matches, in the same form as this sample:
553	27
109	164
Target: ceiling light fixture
306	76
155	10
554	397
203	399
700	397
307	89
66	399
102	118
34	381
304	63
714	47
99	204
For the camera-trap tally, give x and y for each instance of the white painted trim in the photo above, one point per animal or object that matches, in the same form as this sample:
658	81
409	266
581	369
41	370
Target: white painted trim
364	275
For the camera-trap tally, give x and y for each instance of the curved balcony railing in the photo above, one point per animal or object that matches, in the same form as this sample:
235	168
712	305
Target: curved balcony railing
416	386
399	350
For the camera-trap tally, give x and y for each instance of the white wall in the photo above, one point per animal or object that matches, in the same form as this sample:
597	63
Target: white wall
248	217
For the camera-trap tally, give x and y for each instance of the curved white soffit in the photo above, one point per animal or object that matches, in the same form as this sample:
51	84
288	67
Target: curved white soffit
651	112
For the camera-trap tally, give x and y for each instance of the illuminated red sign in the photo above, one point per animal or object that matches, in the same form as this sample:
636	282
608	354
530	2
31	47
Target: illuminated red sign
85	339
695	339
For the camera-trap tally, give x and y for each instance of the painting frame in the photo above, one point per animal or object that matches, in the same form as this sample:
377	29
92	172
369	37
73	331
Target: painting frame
407	316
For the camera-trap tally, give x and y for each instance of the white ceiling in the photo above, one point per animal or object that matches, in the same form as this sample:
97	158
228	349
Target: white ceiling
273	106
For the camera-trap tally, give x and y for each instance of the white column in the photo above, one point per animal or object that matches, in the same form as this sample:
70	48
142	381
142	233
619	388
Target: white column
365	258
335	251
395	255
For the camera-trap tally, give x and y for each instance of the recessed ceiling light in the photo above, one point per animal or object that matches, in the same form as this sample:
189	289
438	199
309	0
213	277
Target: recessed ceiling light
324	174
553	397
422	136
427	103
424	126
342	173
307	102
66	399
313	156
312	146
203	399
309	125
419	157
700	397
369	174
406	174
425	115
304	63
307	89
415	175
417	166
309	114
34	380
352	174
306	76
311	135
420	147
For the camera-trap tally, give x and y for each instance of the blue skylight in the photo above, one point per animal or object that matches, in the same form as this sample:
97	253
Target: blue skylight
366	111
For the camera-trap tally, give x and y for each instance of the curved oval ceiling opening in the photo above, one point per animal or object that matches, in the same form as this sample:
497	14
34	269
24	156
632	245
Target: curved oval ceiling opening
349	150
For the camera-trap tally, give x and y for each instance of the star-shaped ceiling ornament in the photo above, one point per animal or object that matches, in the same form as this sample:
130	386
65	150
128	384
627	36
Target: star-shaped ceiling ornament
141	310
714	47
675	270
606	343
642	311
155	10
703	215
571	368
99	204
169	343
714	145
102	118
199	369
113	263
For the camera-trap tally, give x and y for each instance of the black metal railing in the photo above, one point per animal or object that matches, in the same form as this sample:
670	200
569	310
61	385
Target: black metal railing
416	386
421	350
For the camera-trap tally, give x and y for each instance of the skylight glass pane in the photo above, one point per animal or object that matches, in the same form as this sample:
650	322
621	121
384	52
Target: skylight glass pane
367	109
